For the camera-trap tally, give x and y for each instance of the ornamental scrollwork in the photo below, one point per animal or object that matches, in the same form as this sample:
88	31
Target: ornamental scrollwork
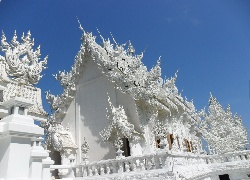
223	131
22	63
119	126
57	138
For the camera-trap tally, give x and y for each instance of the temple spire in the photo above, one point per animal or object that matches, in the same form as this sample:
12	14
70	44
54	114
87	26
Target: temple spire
80	26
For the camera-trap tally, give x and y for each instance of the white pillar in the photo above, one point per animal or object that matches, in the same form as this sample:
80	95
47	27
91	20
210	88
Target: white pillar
46	173
37	155
15	158
15	153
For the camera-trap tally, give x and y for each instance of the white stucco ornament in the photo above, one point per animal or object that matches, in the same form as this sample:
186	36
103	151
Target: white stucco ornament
119	127
223	131
85	147
57	137
22	62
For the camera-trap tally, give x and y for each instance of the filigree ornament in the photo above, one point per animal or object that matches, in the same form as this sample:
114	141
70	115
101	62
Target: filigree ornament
57	138
23	64
160	130
223	131
126	70
85	147
118	143
119	127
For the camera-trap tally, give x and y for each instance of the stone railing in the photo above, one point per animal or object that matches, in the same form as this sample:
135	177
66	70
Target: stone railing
229	157
169	162
64	171
217	163
159	160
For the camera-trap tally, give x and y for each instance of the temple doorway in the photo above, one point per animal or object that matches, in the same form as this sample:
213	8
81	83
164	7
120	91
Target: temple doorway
224	177
126	147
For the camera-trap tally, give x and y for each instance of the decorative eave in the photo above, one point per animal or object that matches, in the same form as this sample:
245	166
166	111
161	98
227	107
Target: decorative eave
122	68
18	101
118	127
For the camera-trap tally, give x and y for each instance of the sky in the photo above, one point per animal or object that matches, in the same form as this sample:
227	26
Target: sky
208	41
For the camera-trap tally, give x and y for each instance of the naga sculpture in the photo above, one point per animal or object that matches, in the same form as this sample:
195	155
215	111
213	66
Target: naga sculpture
22	62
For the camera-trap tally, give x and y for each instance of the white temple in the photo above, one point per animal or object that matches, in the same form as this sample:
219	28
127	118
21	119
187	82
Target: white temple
114	120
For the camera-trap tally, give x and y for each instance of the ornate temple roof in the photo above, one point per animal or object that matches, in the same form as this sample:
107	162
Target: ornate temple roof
127	71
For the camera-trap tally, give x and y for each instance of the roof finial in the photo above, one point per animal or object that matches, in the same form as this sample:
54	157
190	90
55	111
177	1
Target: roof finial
131	49
145	49
109	101
113	39
100	34
80	26
176	73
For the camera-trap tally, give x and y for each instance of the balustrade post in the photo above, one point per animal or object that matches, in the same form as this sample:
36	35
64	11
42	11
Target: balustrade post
107	169
153	162
120	167
80	171
127	167
137	161
142	166
233	158
160	162
163	161
102	169
148	163
166	161
95	170
84	170
237	157
114	167
90	171
133	164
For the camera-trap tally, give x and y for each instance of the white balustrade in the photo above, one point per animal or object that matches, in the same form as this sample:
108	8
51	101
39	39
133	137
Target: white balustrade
159	160
65	171
228	157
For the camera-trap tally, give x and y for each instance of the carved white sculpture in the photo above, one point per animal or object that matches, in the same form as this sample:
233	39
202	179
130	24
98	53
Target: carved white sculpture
85	150
57	137
118	128
20	70
223	132
23	63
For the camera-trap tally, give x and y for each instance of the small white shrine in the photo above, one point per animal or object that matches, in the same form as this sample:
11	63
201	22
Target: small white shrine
114	120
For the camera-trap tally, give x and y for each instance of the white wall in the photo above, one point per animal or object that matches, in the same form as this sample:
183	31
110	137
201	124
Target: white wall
87	113
15	156
69	119
88	110
4	156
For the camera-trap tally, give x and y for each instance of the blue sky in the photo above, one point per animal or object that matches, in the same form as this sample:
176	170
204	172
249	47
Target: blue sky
207	40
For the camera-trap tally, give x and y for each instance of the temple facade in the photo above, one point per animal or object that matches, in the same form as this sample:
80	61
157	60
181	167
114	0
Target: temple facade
114	120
